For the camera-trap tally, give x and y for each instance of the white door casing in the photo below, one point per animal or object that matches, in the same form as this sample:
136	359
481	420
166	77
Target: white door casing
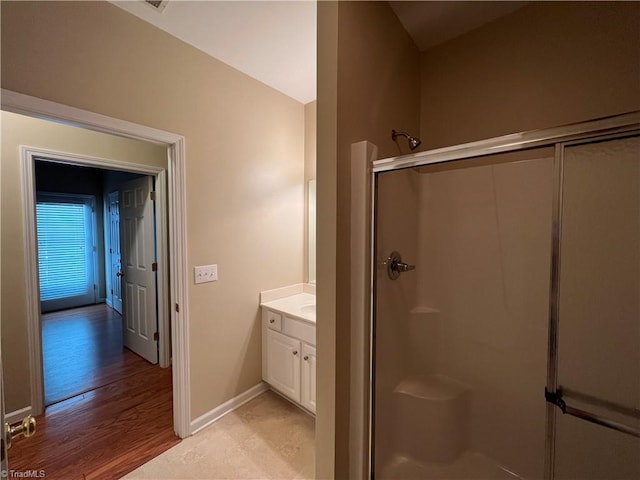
115	264
29	154
137	241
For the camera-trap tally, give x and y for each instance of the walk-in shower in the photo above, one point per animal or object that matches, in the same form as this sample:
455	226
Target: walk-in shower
512	349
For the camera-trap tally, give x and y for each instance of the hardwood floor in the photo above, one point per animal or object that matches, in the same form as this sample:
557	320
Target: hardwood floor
106	432
82	350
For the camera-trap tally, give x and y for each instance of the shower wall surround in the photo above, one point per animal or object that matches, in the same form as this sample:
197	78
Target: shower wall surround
486	247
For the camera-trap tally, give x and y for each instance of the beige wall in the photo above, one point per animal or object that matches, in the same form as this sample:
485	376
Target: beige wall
545	65
19	130
368	84
244	161
326	238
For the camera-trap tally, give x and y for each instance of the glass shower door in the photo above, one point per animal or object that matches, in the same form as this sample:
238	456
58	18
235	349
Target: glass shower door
598	314
460	340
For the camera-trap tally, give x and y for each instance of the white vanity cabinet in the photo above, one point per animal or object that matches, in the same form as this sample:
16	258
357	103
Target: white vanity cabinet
283	364
308	376
289	356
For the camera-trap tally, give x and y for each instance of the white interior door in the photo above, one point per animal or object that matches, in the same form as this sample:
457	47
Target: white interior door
114	251
137	242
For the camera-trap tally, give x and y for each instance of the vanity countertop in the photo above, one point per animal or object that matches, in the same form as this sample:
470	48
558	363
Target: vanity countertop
301	305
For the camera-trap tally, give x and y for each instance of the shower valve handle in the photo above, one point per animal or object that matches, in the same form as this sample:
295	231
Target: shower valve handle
403	267
395	266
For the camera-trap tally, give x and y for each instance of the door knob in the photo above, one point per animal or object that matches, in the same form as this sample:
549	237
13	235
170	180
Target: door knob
120	274
26	428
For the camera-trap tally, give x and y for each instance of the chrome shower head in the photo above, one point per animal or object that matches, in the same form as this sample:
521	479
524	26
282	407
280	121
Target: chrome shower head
413	141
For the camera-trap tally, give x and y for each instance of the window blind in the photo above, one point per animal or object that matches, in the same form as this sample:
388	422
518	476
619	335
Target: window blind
65	251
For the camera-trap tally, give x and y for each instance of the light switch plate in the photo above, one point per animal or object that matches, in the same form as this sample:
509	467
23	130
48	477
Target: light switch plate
205	273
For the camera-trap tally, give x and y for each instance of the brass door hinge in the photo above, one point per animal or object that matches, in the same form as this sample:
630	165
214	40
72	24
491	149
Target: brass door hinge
154	267
152	195
156	336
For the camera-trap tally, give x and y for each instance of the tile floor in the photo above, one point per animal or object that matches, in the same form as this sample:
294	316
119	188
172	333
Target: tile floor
267	438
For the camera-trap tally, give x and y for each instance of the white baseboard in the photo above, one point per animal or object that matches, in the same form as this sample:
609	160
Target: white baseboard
17	416
211	416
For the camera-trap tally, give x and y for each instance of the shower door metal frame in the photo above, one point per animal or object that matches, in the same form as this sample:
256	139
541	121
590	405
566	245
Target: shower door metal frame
553	391
599	129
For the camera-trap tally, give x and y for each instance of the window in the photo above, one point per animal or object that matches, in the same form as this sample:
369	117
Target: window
65	225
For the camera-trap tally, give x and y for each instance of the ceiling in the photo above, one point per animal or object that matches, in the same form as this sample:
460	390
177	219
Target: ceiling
431	23
275	41
271	41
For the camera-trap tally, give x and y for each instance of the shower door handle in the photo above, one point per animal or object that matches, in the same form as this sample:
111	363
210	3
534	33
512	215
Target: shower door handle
599	418
395	266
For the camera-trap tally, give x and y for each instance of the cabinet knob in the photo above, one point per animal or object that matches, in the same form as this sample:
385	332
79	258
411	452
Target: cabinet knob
295	352
306	357
271	320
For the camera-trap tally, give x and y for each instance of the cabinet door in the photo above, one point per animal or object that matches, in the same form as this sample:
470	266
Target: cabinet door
283	364
309	377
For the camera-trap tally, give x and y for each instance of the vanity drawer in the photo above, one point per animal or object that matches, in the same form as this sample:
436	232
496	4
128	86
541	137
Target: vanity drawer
299	329
274	320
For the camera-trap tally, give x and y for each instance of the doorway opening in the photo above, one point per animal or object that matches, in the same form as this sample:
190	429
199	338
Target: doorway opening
145	249
88	339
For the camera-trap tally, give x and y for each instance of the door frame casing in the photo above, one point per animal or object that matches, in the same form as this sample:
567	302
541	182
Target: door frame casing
28	156
173	288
